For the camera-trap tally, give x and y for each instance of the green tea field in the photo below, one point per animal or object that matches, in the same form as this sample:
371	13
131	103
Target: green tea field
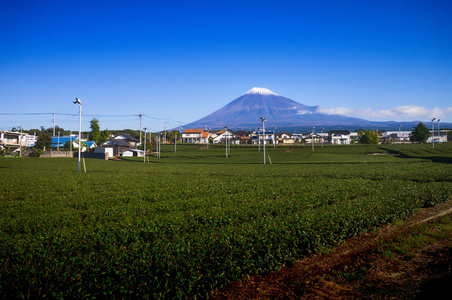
184	225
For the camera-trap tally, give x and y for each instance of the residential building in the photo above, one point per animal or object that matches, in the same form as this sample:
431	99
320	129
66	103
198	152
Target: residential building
285	138
121	143
193	136
339	137
12	139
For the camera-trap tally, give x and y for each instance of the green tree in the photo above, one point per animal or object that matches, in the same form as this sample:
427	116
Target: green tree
67	146
104	136
95	131
420	133
368	137
44	141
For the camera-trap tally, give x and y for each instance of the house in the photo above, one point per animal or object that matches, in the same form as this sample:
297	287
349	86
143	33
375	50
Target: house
339	137
60	142
223	135
285	138
316	138
258	137
121	143
194	136
12	139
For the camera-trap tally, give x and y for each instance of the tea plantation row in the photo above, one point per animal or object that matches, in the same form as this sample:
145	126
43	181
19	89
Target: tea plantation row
186	224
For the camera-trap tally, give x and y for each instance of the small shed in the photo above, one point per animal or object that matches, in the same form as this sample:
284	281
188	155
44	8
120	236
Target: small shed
133	152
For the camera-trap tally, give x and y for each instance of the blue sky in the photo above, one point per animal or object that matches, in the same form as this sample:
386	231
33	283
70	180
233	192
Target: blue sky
181	60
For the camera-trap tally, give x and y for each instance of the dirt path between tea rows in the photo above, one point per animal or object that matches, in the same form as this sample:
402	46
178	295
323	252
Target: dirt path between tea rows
361	268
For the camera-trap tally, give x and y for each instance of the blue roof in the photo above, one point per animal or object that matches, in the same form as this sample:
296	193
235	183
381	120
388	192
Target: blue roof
88	143
65	139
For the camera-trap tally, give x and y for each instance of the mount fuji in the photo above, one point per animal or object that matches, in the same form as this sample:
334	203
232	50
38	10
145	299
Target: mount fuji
283	113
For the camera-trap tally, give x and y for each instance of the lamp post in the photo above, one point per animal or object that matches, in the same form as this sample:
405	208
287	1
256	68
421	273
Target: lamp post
77	101
433	133
259	138
263	131
144	157
58	145
312	138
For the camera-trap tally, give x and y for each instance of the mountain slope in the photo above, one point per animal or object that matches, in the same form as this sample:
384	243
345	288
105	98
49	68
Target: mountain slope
283	113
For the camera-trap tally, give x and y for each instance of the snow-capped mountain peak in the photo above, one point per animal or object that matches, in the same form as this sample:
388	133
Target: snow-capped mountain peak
260	91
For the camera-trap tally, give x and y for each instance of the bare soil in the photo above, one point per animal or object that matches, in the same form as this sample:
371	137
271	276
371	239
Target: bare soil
361	268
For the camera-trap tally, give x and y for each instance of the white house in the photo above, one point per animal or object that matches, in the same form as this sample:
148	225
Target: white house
285	138
194	136
12	138
339	137
222	135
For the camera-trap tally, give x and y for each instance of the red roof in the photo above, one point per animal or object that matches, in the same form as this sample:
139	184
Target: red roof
193	131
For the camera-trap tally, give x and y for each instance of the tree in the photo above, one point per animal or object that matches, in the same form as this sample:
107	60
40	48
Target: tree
368	137
420	133
104	135
43	141
95	130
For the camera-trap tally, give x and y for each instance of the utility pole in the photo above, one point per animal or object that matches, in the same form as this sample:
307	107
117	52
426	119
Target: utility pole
180	131
164	133
263	131
20	141
144	158
53	124
140	115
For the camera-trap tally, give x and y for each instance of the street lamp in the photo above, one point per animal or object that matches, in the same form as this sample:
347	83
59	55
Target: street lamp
77	101
433	133
259	138
263	131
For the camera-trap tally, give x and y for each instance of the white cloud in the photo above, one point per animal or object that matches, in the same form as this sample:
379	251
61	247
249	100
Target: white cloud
407	112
